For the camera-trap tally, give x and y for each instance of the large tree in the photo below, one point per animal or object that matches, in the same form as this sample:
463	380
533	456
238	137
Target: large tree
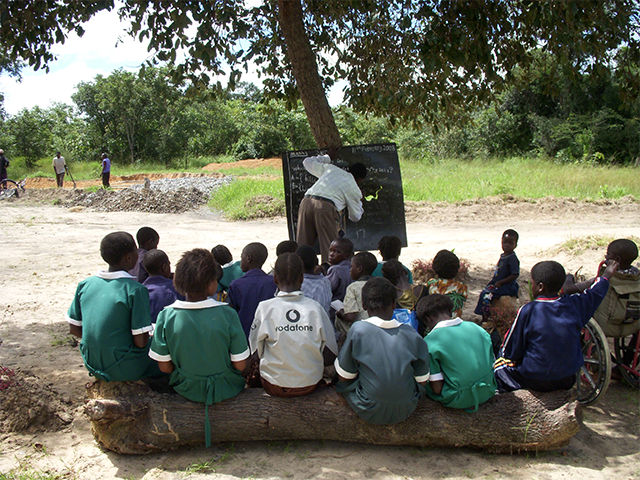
431	59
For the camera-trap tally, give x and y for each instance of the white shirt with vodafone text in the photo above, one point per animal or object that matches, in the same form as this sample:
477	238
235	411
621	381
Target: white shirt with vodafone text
289	332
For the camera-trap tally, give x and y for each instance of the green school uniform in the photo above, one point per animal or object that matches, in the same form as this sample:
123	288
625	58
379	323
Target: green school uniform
460	353
110	308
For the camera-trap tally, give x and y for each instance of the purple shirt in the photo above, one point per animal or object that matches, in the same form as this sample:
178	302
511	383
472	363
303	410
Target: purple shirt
246	292
106	165
340	277
161	294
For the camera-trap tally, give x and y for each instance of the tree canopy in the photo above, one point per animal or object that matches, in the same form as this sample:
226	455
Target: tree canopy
433	60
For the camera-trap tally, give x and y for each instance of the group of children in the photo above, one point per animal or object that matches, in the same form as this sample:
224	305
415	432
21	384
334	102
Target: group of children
289	325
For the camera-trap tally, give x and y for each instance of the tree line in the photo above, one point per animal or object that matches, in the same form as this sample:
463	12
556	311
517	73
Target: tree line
145	116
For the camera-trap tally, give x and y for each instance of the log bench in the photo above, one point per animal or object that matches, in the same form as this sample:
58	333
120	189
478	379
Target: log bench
132	418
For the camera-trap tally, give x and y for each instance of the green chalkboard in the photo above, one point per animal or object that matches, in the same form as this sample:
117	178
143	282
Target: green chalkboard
383	200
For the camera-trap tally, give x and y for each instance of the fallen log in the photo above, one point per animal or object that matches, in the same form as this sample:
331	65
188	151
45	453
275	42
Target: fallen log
131	418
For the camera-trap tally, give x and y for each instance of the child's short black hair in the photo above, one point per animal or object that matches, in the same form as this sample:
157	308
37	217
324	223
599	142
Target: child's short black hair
551	273
345	244
626	249
285	246
358	170
446	264
153	261
432	305
308	256
511	233
378	293
393	270
390	247
116	245
367	261
146	234
288	268
195	271
258	252
222	254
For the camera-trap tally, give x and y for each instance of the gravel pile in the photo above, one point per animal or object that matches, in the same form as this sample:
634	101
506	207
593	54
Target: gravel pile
167	195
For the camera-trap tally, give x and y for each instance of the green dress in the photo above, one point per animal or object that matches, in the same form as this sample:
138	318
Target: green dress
460	353
111	308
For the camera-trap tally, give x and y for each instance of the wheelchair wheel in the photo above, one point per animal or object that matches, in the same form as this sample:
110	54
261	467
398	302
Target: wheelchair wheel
627	353
593	378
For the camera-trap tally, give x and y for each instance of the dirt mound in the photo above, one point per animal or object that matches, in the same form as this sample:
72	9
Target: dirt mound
116	181
275	162
29	406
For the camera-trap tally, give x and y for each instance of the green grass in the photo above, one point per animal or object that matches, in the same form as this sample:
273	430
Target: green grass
579	245
248	198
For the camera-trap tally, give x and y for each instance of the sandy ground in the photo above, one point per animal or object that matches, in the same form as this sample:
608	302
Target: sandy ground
47	250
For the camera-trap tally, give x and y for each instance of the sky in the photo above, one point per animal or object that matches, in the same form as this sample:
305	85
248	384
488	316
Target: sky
81	59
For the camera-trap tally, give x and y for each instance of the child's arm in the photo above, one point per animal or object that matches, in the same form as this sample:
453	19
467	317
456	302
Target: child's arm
329	356
75	330
570	287
436	386
241	365
166	367
141	339
504	281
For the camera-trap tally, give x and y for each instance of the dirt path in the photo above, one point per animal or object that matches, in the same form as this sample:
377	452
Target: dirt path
47	250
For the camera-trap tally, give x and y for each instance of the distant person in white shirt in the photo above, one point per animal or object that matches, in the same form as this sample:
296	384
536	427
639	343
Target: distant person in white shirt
59	168
335	190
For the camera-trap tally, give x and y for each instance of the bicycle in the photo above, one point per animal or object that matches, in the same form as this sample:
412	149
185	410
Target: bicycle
10	188
593	378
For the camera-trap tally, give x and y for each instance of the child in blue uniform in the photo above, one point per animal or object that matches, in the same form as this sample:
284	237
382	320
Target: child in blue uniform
383	365
110	313
503	283
148	239
159	282
542	350
460	356
200	341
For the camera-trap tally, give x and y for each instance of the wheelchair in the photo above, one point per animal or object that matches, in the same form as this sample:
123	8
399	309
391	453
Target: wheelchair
593	378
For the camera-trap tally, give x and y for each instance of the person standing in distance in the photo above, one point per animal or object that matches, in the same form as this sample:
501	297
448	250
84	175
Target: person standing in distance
106	170
4	163
59	167
335	190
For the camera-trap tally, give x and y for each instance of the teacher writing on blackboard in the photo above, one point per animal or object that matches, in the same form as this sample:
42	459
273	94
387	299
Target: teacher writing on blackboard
335	190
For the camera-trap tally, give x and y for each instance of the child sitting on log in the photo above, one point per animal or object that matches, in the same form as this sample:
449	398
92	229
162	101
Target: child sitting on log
460	356
110	314
446	265
383	365
148	239
362	266
542	349
390	247
200	341
230	270
291	335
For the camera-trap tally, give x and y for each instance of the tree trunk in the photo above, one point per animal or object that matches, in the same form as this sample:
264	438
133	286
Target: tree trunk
131	418
305	71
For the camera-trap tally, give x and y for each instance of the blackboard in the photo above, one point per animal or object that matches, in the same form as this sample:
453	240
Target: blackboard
383	200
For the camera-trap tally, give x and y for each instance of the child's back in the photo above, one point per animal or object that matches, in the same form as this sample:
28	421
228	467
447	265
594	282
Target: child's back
159	283
446	265
315	285
384	360
110	313
339	275
460	356
390	247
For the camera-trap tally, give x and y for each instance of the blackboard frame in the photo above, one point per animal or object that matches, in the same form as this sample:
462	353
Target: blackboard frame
383	200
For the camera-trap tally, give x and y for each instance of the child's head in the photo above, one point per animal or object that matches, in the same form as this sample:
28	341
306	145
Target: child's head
253	256
156	262
509	241
285	246
340	249
197	273
288	272
118	249
363	263
379	297
547	278
446	264
148	238
394	271
390	247
433	309
623	251
309	257
222	254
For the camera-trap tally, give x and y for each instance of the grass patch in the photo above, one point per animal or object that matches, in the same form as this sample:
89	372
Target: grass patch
248	198
578	245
